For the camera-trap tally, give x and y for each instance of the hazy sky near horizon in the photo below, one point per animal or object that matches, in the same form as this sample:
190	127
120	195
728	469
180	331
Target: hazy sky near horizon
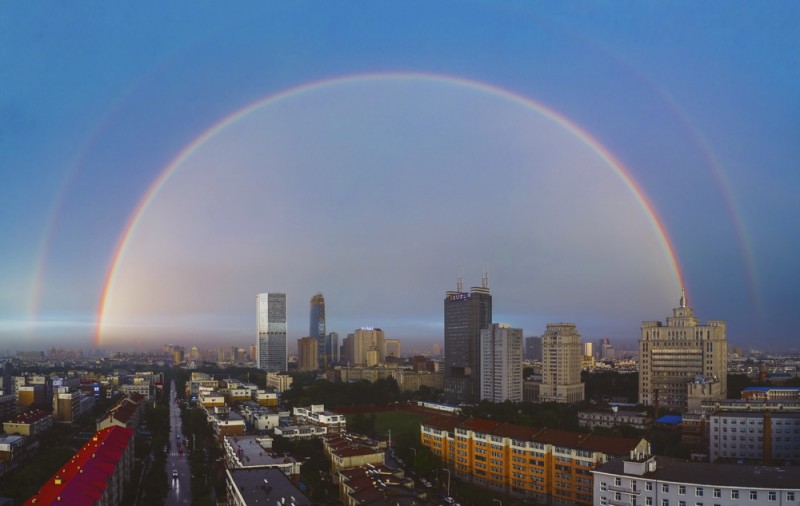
163	163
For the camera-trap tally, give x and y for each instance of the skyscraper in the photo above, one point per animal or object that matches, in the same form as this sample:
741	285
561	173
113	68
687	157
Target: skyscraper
316	328
332	348
533	348
271	325
671	357
501	363
561	364
307	354
465	315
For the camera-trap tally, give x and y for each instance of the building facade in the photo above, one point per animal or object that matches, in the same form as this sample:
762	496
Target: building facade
671	356
465	315
561	364
307	353
316	328
541	463
645	480
271	324
501	363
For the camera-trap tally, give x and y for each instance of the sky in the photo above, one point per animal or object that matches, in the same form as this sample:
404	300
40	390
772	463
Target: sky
164	163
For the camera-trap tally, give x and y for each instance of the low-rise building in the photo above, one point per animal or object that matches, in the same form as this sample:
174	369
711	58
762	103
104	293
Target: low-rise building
128	412
279	382
771	393
269	399
249	487
226	422
210	399
379	484
29	423
317	415
259	417
345	452
293	432
15	450
659	481
614	418
248	452
96	475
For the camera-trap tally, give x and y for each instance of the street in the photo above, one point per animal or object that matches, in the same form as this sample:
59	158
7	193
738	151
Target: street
177	458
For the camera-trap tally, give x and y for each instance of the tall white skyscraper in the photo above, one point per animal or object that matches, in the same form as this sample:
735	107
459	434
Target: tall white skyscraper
561	364
271	324
501	363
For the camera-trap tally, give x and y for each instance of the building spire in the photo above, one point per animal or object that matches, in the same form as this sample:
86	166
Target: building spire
460	281
485	279
683	297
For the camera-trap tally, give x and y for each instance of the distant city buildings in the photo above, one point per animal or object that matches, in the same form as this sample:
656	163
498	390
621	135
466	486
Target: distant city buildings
501	363
271	325
561	364
672	356
465	315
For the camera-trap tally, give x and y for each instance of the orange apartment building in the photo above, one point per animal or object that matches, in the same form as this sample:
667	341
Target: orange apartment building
524	460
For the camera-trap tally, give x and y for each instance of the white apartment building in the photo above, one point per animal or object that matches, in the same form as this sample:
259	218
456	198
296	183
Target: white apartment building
501	363
645	480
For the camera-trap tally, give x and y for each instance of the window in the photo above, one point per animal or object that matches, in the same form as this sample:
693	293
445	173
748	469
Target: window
665	488
753	495
681	503
664	502
618	481
682	489
617	496
648	486
734	494
717	493
772	495
648	501
698	492
790	496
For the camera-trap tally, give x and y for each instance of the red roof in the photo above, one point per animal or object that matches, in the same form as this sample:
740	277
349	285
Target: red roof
83	479
30	416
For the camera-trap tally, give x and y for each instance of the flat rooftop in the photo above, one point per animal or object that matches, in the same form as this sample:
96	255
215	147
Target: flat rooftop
267	486
252	454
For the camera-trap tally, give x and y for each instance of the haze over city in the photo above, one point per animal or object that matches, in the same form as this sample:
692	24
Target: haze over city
164	164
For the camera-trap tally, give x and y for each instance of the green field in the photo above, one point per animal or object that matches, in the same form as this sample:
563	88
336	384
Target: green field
404	426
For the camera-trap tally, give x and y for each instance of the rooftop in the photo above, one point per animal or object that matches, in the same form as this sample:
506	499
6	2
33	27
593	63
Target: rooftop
252	454
721	475
266	486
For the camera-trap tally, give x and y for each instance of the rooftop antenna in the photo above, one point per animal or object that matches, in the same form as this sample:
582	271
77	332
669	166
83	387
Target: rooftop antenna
683	297
485	279
460	281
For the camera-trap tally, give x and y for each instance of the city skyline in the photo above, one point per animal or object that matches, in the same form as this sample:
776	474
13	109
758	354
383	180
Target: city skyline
597	158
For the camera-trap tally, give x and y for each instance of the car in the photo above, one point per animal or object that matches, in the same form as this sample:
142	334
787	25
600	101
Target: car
174	473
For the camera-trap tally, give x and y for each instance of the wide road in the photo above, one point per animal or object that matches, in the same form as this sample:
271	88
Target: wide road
180	492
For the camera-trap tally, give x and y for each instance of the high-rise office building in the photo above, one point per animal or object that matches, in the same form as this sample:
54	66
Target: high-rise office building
533	348
307	353
561	364
671	357
332	348
465	315
366	347
316	328
588	349
501	363
271	325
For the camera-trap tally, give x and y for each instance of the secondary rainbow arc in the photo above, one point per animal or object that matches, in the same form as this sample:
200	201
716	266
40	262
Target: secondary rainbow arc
618	168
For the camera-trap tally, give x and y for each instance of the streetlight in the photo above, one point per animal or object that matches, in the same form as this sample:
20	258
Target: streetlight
448	480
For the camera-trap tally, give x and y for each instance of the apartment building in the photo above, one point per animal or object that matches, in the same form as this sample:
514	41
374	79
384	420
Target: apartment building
524	460
96	474
646	480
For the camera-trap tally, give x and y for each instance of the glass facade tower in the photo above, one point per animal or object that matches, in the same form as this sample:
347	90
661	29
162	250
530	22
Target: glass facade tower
271	327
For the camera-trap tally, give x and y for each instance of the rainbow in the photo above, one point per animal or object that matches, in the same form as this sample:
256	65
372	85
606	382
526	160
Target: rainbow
618	168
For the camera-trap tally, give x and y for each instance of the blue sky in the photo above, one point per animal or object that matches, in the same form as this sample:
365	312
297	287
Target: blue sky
422	177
